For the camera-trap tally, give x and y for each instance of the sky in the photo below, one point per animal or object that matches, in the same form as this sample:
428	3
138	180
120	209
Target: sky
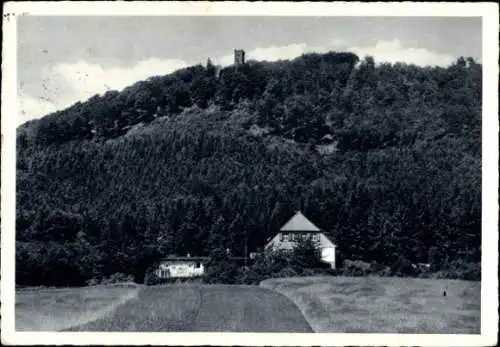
65	59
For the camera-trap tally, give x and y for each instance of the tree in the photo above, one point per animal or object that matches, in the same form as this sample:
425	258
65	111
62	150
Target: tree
211	68
220	268
305	254
57	225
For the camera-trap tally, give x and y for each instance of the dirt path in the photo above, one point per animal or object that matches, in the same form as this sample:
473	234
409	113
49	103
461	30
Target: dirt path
214	308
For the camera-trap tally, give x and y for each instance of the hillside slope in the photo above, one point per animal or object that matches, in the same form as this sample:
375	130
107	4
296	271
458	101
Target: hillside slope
385	158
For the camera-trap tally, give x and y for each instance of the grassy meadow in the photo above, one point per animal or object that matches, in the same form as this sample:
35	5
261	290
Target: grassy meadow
301	304
184	307
384	305
53	309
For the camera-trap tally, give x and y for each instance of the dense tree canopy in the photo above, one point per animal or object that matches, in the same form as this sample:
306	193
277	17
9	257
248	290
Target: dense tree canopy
385	158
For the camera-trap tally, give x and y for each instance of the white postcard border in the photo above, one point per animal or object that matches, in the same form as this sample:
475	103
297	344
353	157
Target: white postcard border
489	283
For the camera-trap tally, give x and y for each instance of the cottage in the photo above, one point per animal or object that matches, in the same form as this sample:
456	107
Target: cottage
181	267
300	226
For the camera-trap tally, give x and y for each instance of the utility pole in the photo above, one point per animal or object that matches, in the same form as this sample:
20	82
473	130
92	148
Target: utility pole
246	249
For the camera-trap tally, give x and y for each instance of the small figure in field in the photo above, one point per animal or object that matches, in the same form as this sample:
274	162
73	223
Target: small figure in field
444	292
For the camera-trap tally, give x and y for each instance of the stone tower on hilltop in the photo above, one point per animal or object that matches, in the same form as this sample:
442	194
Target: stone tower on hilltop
239	57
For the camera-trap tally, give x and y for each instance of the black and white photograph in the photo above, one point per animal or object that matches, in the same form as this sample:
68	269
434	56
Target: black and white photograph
319	174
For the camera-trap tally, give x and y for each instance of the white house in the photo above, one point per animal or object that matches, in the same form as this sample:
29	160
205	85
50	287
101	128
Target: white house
300	226
181	267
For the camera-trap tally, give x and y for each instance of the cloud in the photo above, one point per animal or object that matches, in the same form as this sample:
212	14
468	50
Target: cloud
66	83
279	53
31	108
275	53
393	51
383	51
88	79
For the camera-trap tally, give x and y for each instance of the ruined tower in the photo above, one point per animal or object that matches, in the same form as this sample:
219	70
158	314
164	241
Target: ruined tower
239	57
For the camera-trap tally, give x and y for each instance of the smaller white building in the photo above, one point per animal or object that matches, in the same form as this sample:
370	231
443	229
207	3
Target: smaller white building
181	267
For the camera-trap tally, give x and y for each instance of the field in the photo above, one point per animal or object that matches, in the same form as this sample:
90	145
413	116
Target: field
320	304
160	308
49	309
384	305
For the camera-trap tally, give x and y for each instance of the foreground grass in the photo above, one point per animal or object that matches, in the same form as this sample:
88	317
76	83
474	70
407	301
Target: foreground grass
384	305
40	309
209	308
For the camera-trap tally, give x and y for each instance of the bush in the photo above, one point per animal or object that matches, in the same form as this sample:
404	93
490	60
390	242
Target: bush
379	269
150	279
354	272
356	268
225	273
285	272
470	272
403	267
248	276
117	277
113	279
270	262
220	269
333	272
303	260
461	270
93	281
426	274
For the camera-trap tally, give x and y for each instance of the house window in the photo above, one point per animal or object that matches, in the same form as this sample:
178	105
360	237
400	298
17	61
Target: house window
292	237
282	237
315	237
285	237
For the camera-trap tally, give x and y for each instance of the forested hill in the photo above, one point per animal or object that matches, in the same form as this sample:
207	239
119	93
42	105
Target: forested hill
384	157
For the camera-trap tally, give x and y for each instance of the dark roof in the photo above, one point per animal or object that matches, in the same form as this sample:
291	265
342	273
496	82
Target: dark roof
185	258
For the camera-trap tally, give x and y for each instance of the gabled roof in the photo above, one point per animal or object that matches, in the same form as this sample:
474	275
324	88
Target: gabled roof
299	223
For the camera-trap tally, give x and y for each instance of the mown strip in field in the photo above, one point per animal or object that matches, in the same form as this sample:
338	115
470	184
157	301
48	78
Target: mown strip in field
247	309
